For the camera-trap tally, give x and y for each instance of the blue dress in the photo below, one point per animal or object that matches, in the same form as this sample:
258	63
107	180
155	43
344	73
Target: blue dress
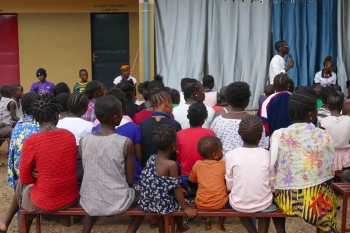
155	189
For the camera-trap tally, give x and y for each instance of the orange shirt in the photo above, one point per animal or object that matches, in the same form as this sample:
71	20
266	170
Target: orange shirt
210	176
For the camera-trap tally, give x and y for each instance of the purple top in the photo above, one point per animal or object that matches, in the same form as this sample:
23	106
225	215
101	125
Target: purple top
41	88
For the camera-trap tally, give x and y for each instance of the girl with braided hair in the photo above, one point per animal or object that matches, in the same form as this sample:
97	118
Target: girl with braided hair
160	187
303	157
250	193
93	91
52	152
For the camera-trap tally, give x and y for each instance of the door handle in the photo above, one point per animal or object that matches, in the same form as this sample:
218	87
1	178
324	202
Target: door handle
94	57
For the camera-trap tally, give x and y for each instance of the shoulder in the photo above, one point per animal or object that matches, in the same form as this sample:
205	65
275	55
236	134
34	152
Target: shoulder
133	79
117	79
210	110
50	84
318	74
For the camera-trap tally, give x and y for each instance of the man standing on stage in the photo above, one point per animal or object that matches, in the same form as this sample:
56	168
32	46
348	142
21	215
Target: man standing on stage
277	64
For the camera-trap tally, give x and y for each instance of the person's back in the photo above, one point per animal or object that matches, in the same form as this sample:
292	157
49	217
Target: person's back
56	185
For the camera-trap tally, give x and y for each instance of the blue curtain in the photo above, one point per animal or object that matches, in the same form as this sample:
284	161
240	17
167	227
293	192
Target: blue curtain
310	29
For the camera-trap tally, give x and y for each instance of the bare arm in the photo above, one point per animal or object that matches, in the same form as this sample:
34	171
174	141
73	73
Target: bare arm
12	108
138	152
129	164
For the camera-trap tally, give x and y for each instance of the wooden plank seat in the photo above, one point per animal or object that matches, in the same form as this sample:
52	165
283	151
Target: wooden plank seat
344	189
79	211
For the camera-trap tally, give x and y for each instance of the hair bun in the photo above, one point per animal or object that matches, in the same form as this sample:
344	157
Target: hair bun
158	78
328	58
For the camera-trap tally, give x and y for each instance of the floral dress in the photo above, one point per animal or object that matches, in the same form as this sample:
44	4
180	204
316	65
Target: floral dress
23	129
155	189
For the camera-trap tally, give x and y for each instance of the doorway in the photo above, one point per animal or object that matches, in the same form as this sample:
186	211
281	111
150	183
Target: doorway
110	45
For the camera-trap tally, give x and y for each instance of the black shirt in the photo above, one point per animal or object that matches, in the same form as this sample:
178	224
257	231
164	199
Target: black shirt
131	109
147	126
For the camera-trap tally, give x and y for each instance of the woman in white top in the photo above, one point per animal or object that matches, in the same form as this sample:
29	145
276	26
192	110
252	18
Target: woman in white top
193	93
125	74
226	125
326	76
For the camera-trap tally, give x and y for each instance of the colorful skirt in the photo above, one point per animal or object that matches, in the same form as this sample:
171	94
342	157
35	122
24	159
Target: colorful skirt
317	205
341	158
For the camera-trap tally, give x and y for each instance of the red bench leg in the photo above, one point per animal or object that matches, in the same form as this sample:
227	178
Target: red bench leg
344	213
172	222
166	223
37	223
23	223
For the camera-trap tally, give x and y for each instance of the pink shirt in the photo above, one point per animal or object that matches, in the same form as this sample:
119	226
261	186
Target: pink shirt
210	98
250	179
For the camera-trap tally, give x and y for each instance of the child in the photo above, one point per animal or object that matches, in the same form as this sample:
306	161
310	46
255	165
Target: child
210	95
60	88
317	93
125	74
222	103
159	184
269	90
141	100
13	110
346	110
128	88
335	125
63	101
93	91
324	110
80	86
209	175
42	87
187	139
250	193
5	131
109	157
175	97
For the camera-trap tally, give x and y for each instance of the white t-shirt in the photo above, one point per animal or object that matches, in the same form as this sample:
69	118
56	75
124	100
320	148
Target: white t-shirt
277	66
250	193
210	98
325	81
77	126
119	78
180	115
335	127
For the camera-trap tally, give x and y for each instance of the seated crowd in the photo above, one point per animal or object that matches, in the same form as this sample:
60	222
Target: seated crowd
161	150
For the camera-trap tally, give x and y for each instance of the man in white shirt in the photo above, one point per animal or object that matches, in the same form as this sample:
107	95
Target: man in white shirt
277	64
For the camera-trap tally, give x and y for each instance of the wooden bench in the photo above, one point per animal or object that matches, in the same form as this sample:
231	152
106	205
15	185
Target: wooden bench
229	213
79	211
343	188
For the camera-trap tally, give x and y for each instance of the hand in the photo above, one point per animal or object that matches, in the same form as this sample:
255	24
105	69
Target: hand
291	63
34	173
184	191
190	212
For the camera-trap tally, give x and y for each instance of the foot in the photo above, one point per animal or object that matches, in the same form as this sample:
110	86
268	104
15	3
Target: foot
3	226
1	164
153	225
183	228
207	225
221	227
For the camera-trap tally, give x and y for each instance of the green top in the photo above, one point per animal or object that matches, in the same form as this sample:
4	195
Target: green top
79	87
319	103
175	105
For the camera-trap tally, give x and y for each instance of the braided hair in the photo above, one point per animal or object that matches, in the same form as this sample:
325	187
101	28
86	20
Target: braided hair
159	97
281	82
60	88
183	83
208	145
143	90
300	104
92	87
325	92
163	137
251	129
77	102
127	86
238	94
27	102
154	86
119	94
190	87
45	108
106	107
335	101
197	113
63	101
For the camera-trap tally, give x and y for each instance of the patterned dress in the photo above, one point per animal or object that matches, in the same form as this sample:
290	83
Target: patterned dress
155	189
304	162
90	113
23	129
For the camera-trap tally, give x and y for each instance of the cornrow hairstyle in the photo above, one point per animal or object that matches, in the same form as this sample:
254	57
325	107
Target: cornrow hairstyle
128	87
106	107
300	104
27	102
63	101
238	94
197	113
154	86
281	82
167	90
325	92
279	44
5	90
291	86
119	94
190	87
60	88
163	137
208	145
207	80
77	102
175	96
327	60
140	88
14	88
81	71
336	87
159	97
184	82
251	129
45	108
92	87
335	101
